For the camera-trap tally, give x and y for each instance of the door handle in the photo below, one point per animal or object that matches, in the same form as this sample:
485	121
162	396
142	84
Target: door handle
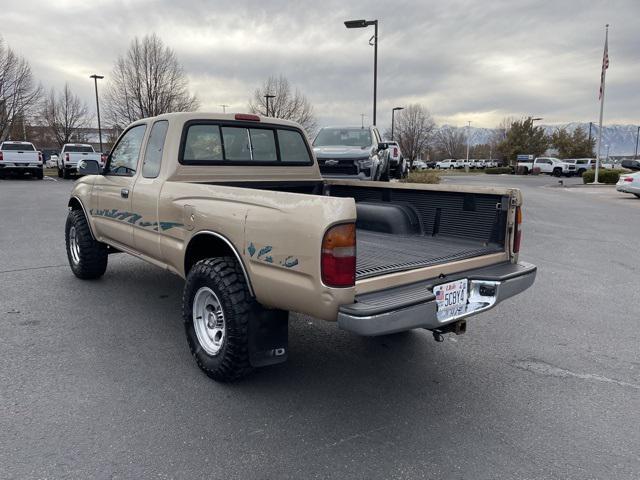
124	193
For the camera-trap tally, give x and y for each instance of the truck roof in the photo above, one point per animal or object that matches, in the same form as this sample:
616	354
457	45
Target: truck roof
186	116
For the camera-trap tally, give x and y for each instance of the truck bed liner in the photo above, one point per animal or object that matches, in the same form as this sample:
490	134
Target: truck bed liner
383	253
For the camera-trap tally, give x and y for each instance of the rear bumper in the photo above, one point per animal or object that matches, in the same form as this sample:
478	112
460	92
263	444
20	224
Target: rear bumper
20	167
414	306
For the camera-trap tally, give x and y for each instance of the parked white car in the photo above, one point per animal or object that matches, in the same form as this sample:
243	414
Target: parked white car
72	153
551	165
52	162
584	164
629	183
20	157
449	163
419	165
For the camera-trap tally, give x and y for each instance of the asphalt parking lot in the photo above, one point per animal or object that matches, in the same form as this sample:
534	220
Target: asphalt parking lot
97	380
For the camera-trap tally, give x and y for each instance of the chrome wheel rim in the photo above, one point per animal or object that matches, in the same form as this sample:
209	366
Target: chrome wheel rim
74	247
208	321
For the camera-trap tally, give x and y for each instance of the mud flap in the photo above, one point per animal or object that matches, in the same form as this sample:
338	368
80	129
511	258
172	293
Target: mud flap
268	337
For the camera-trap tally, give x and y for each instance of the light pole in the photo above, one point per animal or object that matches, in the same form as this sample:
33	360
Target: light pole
362	117
224	107
466	167
590	149
393	111
607	151
364	24
635	156
95	81
266	98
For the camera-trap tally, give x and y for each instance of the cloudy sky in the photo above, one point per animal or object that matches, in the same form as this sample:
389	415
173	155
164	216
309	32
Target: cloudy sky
464	60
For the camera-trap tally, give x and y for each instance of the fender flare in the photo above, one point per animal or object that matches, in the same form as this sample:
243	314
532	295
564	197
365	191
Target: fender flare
233	249
86	215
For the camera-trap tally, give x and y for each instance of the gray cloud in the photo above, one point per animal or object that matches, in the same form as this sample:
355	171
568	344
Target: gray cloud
464	60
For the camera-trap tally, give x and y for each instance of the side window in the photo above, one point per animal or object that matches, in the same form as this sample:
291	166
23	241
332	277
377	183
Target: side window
292	147
153	152
203	144
124	157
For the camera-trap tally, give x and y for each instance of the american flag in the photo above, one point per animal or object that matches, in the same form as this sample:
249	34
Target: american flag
605	63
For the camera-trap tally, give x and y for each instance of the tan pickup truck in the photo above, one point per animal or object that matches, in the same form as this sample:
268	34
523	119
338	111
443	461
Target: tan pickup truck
235	204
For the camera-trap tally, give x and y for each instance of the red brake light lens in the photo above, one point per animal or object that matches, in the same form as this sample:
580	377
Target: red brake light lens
247	117
1	157
66	157
517	232
628	179
395	151
338	257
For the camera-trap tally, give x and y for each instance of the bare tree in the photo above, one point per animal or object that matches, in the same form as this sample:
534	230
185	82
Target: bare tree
64	114
413	130
19	93
451	141
147	81
286	104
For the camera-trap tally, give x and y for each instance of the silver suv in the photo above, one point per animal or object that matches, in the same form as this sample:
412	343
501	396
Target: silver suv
352	152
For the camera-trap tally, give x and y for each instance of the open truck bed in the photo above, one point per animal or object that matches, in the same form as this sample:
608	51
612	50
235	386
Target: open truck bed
381	253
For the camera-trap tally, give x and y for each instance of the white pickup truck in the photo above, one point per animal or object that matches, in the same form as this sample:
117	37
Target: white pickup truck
72	153
551	165
20	157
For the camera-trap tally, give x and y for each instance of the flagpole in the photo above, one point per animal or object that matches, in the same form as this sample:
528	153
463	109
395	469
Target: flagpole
604	75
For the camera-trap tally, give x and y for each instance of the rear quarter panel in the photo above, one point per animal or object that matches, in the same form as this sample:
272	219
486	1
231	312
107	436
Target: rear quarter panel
277	234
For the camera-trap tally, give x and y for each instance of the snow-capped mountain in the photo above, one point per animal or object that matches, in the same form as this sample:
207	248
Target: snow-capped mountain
620	138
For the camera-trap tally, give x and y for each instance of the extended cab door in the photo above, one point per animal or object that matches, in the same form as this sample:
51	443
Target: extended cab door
113	215
147	230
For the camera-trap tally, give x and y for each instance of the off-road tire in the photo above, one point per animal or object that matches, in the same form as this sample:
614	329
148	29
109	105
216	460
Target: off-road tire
59	172
93	255
224	277
66	174
39	174
557	172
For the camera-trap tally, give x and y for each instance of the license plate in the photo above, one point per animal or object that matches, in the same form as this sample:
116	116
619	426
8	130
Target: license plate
451	299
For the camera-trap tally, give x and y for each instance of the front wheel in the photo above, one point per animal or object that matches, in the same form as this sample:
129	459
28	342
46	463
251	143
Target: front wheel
216	309
557	172
87	257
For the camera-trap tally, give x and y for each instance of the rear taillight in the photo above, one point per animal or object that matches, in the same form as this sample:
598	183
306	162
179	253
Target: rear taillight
66	157
628	179
338	258
40	156
103	158
395	152
1	157
517	232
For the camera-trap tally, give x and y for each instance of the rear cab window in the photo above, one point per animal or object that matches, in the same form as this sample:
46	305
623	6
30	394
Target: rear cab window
78	149
18	147
227	143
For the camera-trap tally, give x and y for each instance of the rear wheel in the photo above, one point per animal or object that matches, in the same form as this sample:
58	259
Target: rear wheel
557	172
216	309
39	174
59	172
65	174
87	257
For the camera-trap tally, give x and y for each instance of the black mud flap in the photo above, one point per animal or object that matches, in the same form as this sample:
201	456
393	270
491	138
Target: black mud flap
268	337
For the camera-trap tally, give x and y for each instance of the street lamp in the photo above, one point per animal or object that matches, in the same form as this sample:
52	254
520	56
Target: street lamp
635	156
266	98
95	81
364	24
393	111
466	167
224	107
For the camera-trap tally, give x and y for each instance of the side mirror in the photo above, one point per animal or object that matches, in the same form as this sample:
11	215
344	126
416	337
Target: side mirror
88	167
383	146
